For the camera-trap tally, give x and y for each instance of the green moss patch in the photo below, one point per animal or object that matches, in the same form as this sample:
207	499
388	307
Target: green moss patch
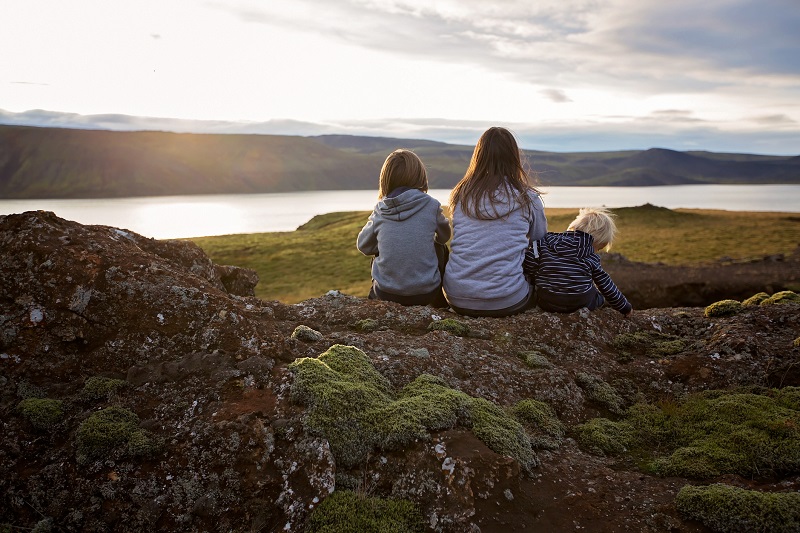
367	325
349	512
306	334
450	325
756	299
110	429
646	343
352	405
545	429
600	392
783	297
98	387
730	509
708	434
723	308
43	413
535	359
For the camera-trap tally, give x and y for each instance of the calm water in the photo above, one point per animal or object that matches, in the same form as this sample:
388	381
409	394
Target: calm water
166	217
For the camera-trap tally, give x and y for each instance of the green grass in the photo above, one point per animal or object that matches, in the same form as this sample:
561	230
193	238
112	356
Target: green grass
322	255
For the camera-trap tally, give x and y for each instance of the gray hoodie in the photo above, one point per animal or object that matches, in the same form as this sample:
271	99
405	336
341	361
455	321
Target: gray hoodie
400	234
484	272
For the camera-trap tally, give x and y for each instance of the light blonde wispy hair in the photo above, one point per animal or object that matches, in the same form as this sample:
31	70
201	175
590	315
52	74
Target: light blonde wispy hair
597	222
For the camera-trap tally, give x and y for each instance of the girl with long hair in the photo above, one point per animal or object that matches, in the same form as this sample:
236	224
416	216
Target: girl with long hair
496	213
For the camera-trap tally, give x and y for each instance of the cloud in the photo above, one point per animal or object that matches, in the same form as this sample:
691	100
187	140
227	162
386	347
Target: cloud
775	120
556	95
645	46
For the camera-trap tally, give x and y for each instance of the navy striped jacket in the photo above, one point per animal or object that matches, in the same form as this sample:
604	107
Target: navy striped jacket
568	264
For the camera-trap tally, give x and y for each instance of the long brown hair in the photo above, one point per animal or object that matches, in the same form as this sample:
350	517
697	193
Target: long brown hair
496	164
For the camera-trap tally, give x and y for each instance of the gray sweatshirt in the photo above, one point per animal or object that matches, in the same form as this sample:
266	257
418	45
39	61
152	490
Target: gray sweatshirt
400	233
484	272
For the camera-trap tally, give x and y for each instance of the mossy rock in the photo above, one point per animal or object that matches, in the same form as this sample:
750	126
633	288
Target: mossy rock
602	436
353	406
723	308
756	299
97	387
27	390
42	413
541	421
367	325
306	334
536	359
646	343
110	429
724	508
708	434
349	512
600	392
783	297
450	325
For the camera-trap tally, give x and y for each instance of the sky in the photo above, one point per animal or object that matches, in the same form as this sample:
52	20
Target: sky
563	75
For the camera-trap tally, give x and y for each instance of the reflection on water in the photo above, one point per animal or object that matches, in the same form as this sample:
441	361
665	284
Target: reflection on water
168	217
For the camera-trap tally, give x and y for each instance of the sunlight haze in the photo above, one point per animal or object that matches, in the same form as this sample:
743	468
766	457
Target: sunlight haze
564	75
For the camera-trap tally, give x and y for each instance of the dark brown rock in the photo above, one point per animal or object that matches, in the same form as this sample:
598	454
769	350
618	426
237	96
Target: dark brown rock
208	379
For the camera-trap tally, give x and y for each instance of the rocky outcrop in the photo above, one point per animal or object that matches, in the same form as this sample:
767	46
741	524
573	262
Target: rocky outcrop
145	388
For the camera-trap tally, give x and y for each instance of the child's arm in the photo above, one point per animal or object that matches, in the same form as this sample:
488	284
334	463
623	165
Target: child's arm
443	230
367	241
608	288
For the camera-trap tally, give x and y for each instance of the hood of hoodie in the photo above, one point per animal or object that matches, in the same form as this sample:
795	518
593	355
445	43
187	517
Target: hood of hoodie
404	205
570	244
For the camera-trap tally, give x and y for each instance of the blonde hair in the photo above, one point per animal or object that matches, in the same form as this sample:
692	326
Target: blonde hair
597	222
496	163
402	168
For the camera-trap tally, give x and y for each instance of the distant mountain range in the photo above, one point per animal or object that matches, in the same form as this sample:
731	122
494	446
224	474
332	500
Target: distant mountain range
68	163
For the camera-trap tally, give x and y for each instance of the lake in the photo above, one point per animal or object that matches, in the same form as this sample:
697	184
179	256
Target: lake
169	217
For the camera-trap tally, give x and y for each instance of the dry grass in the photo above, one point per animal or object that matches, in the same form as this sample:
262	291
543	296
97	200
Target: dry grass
322	256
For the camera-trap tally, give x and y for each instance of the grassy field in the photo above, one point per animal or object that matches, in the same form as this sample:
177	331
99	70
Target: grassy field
321	255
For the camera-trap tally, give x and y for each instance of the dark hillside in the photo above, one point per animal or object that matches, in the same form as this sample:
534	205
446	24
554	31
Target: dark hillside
40	163
64	163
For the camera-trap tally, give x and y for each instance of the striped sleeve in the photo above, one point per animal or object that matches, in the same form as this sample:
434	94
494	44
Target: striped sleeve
531	262
607	287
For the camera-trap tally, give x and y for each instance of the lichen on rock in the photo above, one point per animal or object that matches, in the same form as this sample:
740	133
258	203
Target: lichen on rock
601	392
306	334
755	299
782	297
728	509
353	406
97	387
647	343
113	428
723	308
42	413
545	429
450	325
750	433
351	512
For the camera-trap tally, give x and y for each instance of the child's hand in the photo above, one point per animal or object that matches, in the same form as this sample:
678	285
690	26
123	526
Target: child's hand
629	314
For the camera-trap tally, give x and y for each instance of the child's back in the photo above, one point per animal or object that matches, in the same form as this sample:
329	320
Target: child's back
403	233
568	273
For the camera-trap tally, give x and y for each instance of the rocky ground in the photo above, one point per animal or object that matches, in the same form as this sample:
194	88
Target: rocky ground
144	388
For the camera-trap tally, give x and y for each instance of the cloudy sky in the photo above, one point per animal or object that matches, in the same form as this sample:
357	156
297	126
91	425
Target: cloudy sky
564	75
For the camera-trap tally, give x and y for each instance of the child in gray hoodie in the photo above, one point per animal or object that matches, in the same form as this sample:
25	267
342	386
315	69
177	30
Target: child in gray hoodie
403	233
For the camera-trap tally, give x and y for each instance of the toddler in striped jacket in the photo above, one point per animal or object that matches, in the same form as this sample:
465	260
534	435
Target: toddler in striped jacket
566	269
